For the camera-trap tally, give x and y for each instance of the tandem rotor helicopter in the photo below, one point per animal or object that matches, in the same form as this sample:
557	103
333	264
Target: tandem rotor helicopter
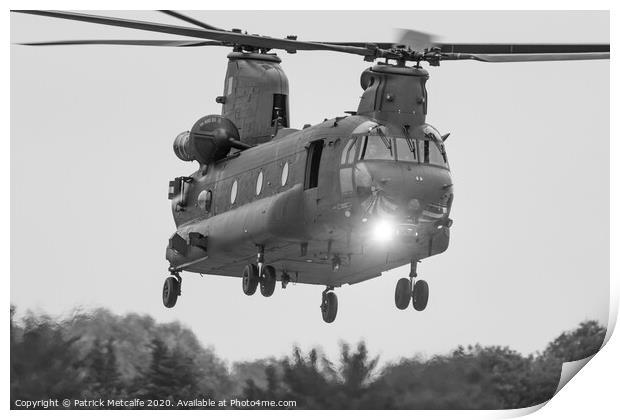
330	204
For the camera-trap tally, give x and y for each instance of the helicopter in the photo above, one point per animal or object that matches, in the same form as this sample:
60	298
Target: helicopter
331	204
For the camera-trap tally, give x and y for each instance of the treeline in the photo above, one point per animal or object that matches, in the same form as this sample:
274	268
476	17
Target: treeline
102	355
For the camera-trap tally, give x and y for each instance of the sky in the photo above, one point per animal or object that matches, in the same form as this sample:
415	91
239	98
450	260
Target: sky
91	156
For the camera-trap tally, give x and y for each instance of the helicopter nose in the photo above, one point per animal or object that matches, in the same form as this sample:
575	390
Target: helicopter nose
407	190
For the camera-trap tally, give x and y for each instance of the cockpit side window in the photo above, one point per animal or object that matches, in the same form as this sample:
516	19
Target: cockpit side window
430	153
348	152
377	148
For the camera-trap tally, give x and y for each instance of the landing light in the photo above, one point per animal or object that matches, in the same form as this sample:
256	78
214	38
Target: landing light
383	231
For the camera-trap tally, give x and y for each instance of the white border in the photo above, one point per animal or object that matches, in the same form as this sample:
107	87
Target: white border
592	394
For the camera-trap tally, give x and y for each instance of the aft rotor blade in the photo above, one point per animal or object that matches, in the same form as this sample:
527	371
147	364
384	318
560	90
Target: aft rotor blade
515	58
149	43
190	20
380	45
226	37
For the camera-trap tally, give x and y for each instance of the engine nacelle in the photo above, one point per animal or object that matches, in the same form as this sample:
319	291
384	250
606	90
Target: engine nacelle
209	140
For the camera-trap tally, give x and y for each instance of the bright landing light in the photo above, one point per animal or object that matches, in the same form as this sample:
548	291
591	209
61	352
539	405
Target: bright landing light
383	231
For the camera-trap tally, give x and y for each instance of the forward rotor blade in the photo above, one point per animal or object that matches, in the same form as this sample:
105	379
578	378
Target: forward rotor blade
515	58
522	48
415	40
227	38
149	43
190	20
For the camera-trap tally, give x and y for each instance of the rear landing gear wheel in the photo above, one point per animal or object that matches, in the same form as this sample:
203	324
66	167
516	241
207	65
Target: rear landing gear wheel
419	296
249	282
329	306
402	295
171	291
268	281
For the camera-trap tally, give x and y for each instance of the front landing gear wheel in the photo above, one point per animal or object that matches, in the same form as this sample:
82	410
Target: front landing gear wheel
171	291
402	295
249	281
419	295
268	281
329	306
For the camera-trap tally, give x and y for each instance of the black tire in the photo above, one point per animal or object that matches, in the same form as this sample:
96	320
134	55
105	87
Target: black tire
268	281
249	282
171	291
329	307
402	294
420	295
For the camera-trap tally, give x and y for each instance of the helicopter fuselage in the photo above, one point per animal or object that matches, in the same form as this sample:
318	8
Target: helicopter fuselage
335	203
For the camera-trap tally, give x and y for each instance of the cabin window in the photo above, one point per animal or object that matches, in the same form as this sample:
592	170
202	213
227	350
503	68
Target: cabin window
406	150
284	174
233	192
377	148
204	200
259	183
313	161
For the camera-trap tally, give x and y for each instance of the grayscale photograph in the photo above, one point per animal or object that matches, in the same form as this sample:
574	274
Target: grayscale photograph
306	210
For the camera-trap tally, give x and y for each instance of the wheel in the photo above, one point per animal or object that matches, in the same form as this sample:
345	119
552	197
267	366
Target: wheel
171	291
249	281
268	281
329	307
420	295
402	295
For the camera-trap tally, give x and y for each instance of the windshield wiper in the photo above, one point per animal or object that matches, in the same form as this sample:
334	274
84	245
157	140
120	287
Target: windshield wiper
386	141
409	141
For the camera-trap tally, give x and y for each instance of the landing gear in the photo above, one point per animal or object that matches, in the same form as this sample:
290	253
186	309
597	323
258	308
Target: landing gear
259	273
410	289
171	290
402	296
329	305
419	296
250	279
268	281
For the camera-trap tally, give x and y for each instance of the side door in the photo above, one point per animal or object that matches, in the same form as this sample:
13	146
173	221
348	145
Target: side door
312	175
328	194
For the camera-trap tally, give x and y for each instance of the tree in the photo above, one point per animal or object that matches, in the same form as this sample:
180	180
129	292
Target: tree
103	376
171	375
44	363
577	344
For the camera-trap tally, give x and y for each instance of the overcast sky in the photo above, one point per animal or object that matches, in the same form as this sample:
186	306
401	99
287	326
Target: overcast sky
91	156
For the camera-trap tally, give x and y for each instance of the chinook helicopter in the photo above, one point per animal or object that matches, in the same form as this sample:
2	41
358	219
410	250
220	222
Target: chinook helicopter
335	203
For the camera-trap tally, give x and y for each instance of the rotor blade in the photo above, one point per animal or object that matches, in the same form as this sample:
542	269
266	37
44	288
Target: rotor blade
190	20
380	45
228	38
415	40
522	48
515	58
150	43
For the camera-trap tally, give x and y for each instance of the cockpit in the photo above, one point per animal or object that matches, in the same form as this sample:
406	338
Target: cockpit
378	146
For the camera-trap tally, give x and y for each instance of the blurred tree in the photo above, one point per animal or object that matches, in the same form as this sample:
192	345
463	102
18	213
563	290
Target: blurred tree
171	375
99	354
577	344
103	376
44	363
